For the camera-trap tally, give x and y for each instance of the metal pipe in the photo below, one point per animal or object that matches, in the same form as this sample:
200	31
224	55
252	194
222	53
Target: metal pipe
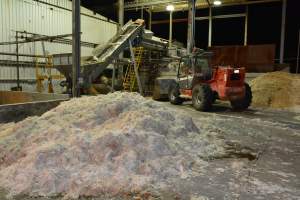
246	28
36	39
28	81
210	26
18	66
121	12
76	47
22	55
191	27
171	29
55	39
298	52
136	71
10	63
282	37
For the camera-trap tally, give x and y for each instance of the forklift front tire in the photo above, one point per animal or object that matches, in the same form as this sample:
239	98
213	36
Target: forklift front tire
174	97
202	97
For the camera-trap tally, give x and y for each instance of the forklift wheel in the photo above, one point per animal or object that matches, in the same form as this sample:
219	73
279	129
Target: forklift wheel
215	97
202	97
244	103
174	95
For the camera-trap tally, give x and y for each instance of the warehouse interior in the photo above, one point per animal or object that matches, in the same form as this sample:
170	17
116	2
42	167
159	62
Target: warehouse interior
144	100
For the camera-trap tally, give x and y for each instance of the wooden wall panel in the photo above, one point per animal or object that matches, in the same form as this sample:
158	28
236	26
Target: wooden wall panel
255	58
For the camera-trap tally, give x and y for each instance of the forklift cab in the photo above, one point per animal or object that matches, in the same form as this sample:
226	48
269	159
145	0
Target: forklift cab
197	81
193	69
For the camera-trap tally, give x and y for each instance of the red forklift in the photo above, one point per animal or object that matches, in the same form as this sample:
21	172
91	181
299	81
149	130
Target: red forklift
198	81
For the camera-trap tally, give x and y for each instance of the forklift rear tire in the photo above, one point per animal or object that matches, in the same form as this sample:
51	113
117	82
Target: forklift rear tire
244	103
215	97
203	97
174	97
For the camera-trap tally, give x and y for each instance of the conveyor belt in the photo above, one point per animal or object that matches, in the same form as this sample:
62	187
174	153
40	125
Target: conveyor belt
103	55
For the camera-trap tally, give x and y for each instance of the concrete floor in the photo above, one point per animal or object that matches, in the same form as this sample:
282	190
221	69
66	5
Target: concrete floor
275	138
274	173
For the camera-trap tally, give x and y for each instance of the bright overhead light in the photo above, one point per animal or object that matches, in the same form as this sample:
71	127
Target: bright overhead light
170	8
217	2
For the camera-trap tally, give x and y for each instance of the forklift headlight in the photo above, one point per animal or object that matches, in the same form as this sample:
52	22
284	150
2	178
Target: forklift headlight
236	71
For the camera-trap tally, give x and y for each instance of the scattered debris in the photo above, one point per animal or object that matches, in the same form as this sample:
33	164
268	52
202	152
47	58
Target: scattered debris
276	90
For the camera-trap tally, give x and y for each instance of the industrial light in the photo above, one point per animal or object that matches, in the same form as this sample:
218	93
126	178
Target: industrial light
217	2
170	8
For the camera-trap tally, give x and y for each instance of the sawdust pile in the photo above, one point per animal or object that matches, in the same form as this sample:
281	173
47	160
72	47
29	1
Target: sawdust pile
104	145
276	90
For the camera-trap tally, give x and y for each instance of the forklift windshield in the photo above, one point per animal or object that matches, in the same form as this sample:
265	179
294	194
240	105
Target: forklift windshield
196	65
201	64
185	67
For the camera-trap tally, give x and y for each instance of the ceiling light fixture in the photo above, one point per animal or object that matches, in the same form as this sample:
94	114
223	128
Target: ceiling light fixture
217	2
170	8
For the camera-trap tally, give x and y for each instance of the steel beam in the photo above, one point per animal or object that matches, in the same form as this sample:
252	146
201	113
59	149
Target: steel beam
142	12
121	24
12	63
76	47
200	18
210	26
159	5
168	21
22	55
113	77
191	26
150	19
35	39
121	12
208	3
282	37
298	53
246	28
18	66
229	16
209	23
171	29
149	3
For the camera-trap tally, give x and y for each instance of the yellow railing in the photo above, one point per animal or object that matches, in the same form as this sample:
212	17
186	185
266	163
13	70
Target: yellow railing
43	71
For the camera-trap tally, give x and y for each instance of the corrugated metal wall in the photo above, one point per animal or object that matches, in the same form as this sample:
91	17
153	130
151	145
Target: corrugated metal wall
46	17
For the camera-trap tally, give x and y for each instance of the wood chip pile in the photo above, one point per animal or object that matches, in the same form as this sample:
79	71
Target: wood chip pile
276	90
102	146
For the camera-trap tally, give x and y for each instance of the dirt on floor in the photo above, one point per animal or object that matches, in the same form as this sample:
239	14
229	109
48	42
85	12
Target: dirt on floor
276	90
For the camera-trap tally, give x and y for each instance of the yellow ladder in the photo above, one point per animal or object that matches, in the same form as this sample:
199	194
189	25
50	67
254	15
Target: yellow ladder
129	83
